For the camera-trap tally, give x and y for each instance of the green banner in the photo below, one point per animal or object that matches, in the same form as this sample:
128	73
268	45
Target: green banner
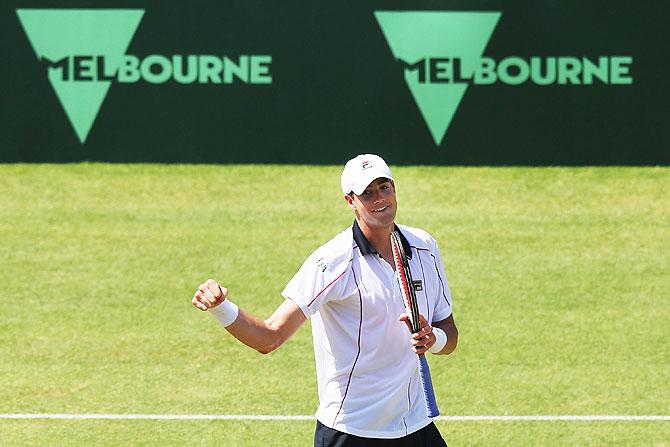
466	83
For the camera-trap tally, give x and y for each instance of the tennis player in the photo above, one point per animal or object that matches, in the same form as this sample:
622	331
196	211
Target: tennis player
367	370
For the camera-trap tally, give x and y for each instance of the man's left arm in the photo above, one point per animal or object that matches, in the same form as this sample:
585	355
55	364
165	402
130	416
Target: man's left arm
423	340
449	327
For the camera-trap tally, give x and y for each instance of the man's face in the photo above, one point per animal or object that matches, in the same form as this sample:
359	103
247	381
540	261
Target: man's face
376	206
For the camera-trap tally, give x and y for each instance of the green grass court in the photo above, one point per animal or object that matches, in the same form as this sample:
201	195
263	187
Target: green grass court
560	279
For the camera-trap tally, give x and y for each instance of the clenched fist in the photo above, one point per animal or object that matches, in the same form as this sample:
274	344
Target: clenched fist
209	294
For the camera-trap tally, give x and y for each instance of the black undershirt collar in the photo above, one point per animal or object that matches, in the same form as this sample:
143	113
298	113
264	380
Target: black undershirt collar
366	247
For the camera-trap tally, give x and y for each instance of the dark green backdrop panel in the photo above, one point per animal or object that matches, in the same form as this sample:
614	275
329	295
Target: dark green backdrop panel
337	90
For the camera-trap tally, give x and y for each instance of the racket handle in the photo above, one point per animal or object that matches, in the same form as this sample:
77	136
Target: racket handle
427	383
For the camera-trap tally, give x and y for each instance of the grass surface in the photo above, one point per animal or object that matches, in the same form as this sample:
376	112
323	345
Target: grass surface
300	433
560	279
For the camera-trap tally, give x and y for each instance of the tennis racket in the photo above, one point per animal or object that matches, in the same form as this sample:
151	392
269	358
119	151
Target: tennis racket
412	309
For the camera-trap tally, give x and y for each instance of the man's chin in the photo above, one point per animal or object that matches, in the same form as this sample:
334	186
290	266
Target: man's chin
381	222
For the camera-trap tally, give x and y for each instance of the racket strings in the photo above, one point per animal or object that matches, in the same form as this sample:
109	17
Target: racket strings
406	283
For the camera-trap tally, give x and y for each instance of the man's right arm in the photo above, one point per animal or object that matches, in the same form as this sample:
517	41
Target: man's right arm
263	335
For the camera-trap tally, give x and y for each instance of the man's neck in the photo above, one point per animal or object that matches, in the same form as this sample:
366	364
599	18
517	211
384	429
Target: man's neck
380	238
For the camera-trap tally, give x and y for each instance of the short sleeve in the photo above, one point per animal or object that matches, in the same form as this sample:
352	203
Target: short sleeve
443	301
317	282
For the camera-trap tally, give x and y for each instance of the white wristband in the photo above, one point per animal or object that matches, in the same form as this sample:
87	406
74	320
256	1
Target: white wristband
225	312
440	340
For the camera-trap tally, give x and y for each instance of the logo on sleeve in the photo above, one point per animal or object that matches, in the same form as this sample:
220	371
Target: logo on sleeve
322	265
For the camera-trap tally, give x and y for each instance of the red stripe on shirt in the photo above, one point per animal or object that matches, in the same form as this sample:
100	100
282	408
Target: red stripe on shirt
360	326
322	290
437	270
425	293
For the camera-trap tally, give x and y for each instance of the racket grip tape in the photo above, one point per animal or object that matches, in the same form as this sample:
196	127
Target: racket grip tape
427	383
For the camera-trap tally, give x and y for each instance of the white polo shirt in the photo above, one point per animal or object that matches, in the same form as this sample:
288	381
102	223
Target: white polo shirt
367	374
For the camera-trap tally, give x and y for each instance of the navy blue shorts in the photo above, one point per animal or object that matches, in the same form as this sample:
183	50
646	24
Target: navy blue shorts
428	436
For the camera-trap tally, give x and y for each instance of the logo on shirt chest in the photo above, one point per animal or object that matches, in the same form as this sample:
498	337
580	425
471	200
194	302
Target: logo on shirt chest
418	285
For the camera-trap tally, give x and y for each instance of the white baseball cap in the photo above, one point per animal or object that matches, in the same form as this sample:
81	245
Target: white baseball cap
362	170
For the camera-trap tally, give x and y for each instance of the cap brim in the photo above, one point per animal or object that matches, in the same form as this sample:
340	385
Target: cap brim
365	181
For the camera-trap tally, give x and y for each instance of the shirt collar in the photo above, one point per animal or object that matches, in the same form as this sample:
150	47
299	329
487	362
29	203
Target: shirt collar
366	247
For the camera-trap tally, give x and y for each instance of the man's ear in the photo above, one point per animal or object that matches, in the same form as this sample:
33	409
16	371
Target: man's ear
350	201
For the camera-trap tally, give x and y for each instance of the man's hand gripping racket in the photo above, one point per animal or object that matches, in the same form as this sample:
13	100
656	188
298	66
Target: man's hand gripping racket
412	309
